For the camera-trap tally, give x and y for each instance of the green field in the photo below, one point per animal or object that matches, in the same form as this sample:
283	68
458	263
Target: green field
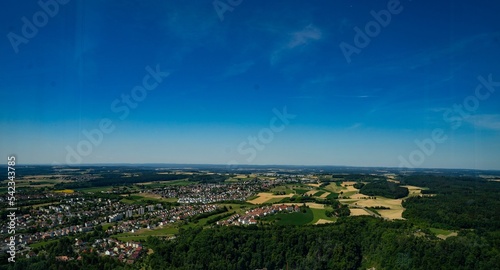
334	187
297	218
332	196
174	229
95	189
321	214
301	191
169	199
107	226
239	208
127	201
319	193
43	243
441	231
274	200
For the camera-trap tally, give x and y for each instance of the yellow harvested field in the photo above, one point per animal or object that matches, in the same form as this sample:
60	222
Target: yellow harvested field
316	205
266	196
414	190
347	186
358	212
348	183
395	211
323	221
391	214
392	203
65	191
314	185
310	192
324	195
351	188
442	236
358	196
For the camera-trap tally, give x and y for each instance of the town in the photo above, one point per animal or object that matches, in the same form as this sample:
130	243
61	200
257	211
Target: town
48	213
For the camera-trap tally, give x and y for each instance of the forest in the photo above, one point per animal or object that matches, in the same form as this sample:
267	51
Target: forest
384	188
118	179
351	243
454	202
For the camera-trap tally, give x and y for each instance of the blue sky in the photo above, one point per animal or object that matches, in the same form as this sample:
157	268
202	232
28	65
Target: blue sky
230	71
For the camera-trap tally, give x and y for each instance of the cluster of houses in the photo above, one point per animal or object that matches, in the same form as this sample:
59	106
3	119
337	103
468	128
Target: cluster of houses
132	224
250	217
66	211
209	193
70	214
24	239
127	252
159	218
54	220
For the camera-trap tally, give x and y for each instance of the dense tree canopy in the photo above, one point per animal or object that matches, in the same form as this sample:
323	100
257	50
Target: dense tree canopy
384	188
456	202
352	243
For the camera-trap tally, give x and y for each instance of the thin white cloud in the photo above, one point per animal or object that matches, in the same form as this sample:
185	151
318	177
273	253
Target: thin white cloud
297	39
304	36
485	121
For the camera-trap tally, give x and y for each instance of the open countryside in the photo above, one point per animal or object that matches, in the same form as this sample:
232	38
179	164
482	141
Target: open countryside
131	206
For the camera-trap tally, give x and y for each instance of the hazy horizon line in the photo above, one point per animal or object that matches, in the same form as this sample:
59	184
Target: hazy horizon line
249	165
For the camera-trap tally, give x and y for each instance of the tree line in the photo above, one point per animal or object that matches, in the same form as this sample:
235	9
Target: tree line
351	243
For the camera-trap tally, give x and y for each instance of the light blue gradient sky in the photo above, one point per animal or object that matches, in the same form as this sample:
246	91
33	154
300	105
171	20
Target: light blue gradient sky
226	77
